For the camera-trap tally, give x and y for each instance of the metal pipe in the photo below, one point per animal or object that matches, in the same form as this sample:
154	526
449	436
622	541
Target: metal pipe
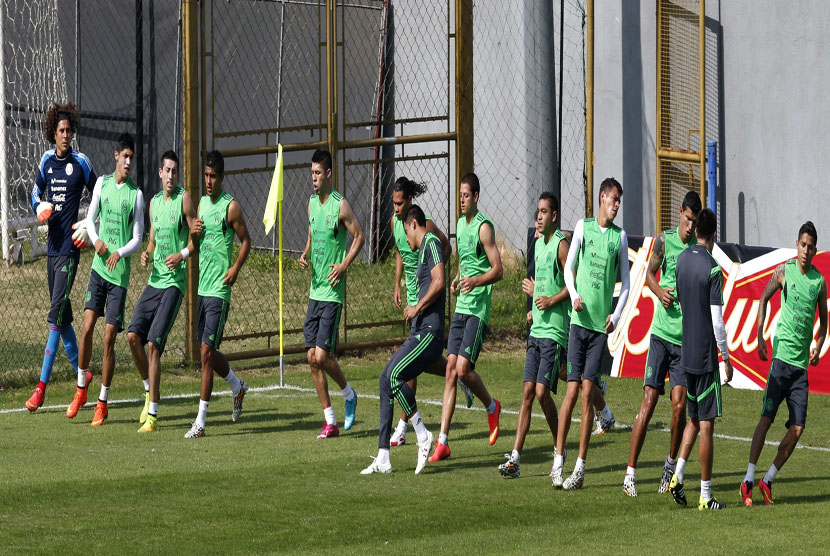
139	91
589	111
679	156
77	64
702	92
241	133
271	149
712	159
4	178
464	161
659	113
290	350
190	156
559	116
178	82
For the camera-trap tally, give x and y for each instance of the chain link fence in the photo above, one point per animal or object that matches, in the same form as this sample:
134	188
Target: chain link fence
393	93
94	53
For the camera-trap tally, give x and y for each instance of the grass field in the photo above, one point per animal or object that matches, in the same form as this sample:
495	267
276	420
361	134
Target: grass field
265	485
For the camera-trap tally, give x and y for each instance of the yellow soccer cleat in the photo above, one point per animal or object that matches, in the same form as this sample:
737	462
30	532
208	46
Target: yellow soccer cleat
146	411
149	424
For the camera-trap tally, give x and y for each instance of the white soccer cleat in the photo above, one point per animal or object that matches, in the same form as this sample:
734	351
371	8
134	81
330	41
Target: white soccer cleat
196	431
377	467
237	401
630	486
553	466
574	481
423	451
398	438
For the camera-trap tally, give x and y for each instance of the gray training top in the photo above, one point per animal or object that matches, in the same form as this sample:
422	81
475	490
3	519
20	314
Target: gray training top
699	286
431	318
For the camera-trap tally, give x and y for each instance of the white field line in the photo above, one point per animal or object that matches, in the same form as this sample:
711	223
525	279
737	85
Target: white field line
287	387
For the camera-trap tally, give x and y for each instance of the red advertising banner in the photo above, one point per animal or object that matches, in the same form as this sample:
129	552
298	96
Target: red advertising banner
742	287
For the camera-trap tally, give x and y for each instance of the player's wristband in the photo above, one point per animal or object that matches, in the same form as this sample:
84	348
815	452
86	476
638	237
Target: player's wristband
185	253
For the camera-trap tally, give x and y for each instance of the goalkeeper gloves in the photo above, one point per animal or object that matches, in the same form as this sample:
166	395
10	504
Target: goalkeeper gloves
80	237
44	211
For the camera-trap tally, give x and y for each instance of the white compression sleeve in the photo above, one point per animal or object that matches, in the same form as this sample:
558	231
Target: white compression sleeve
576	244
624	279
138	228
720	330
93	211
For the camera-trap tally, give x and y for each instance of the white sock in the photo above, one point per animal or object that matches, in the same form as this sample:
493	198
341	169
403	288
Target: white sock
680	469
631	471
706	490
348	392
514	455
383	455
443	438
558	460
492	407
670	462
105	392
606	413
202	415
418	425
233	382
146	382
770	476
401	428
329	414
82	378
154	409
580	465
750	473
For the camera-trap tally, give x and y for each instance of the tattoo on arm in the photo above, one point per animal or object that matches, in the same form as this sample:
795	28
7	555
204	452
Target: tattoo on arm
773	284
657	255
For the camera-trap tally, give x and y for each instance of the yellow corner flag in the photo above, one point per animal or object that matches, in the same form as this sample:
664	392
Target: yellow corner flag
275	195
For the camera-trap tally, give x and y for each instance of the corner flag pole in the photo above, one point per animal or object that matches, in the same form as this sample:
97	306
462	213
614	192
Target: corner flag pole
272	207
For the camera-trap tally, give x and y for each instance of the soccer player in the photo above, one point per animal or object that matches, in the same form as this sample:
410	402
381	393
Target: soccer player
329	218
598	250
479	267
61	177
550	319
406	263
803	292
423	348
171	216
700	293
120	203
220	217
664	347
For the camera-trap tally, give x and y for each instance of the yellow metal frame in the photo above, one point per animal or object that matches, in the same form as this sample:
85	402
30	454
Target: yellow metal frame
198	138
690	156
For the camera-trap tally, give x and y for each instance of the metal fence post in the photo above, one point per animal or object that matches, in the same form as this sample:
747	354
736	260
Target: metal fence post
190	123
463	93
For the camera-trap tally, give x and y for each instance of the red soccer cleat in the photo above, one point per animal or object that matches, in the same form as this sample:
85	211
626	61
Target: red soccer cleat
101	413
493	421
766	490
441	451
34	402
328	431
746	493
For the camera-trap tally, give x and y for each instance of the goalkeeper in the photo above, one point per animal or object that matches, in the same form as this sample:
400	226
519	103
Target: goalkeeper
61	177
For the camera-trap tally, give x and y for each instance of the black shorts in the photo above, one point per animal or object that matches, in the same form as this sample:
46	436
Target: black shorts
703	395
211	316
60	273
788	382
154	315
663	359
322	321
542	361
101	295
467	333
585	354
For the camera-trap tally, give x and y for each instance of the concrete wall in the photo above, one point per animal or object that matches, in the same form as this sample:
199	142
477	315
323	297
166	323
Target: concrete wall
766	84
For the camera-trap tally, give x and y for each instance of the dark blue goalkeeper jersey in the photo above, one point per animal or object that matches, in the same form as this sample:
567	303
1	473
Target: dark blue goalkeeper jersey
61	181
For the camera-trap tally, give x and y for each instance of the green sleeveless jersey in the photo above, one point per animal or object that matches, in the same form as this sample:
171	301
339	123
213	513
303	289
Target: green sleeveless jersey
117	210
410	262
799	299
473	261
328	247
668	323
596	274
170	232
552	323
216	246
